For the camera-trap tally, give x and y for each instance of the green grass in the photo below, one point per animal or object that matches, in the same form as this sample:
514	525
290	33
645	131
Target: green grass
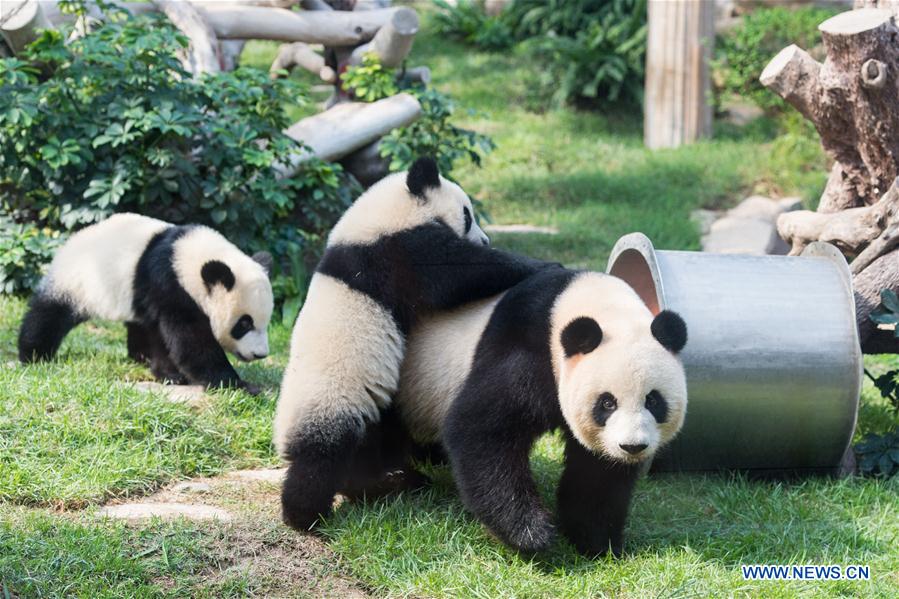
73	434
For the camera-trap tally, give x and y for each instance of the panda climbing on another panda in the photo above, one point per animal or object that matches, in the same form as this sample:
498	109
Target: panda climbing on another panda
576	350
185	293
409	245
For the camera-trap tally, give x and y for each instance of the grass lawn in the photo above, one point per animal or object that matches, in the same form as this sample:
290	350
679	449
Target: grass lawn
74	434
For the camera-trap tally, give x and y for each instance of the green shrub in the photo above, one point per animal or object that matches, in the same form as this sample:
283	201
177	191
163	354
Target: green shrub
468	22
24	249
743	52
433	134
586	51
369	81
111	122
602	61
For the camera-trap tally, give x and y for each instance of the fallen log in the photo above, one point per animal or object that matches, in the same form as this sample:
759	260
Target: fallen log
334	28
349	126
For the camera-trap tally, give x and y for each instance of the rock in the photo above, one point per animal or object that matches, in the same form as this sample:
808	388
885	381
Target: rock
167	511
191	487
192	395
521	229
742	113
758	207
790	204
731	235
704	219
268	475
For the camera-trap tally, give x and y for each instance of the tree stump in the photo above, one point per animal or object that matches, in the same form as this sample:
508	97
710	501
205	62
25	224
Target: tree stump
853	101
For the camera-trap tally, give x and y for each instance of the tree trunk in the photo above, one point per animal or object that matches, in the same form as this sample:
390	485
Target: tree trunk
853	101
203	52
677	111
20	23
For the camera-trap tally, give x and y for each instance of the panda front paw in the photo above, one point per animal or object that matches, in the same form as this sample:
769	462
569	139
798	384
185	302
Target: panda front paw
533	533
594	543
250	388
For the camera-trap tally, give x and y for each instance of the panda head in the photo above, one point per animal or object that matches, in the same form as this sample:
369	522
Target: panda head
407	200
231	288
622	388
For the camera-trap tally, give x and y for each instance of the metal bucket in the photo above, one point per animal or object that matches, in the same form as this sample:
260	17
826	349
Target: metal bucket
773	362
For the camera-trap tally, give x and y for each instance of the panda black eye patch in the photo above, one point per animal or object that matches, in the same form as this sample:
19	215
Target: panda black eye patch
657	406
243	326
468	220
603	408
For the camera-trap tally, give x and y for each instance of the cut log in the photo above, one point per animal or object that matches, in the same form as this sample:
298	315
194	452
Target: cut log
202	54
300	54
677	111
418	75
21	22
348	126
393	41
333	28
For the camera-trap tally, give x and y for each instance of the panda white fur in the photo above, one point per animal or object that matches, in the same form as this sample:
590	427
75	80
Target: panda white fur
408	245
576	350
185	293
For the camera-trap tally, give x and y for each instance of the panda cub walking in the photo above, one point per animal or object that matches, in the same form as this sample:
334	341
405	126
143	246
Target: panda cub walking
185	293
576	350
407	246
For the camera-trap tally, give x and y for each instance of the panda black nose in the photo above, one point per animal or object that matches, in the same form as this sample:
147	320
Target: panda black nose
633	449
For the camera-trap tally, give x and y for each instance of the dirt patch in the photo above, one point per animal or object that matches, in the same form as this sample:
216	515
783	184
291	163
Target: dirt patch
254	546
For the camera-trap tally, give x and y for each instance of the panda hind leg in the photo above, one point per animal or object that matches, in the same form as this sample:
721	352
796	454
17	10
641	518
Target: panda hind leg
46	323
320	456
145	345
382	464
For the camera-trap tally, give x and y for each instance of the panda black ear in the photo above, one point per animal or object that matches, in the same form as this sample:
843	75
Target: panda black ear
670	330
265	260
217	273
423	175
581	336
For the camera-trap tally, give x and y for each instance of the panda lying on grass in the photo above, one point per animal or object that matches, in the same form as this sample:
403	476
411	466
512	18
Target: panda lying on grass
185	293
578	351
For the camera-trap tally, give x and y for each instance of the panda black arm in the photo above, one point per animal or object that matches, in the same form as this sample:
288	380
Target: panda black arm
451	271
488	435
196	351
593	498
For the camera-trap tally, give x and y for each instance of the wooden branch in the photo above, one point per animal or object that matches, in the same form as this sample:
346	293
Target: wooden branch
333	28
349	126
851	230
418	75
794	76
20	23
393	41
203	53
300	54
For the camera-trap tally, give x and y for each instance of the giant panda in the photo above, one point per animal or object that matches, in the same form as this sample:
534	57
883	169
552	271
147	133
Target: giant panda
408	245
573	350
185	293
